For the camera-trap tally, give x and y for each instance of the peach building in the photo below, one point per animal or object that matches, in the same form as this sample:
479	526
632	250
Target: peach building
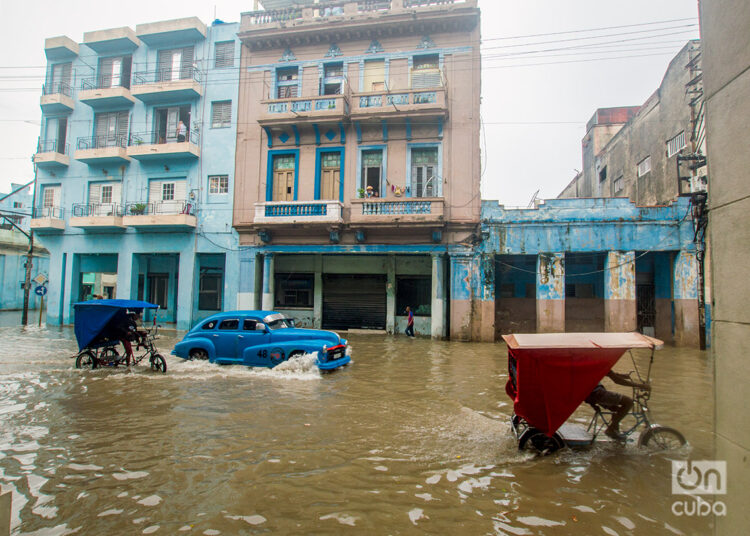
358	162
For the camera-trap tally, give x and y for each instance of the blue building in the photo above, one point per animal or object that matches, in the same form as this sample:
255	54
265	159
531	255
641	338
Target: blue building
15	209
136	168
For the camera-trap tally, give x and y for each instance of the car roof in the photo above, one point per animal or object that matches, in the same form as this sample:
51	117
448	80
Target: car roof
232	314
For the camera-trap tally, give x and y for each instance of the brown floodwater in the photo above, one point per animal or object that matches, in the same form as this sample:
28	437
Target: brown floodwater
412	437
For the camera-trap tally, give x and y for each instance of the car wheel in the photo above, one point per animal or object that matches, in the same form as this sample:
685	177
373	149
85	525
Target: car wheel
198	354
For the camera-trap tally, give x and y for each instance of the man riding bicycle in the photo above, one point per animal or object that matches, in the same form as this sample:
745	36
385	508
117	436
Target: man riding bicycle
619	404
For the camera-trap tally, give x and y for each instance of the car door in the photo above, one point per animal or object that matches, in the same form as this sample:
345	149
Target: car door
225	341
253	336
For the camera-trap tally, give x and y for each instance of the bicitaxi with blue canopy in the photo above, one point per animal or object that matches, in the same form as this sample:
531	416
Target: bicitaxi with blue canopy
97	321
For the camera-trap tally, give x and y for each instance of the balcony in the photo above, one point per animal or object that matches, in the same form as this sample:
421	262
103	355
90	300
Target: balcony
97	216
48	220
298	212
102	150
165	33
57	98
151	146
60	48
162	215
427	211
166	86
323	108
105	92
51	155
431	102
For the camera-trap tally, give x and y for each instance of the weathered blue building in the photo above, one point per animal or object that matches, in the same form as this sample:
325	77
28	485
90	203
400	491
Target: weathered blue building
136	168
15	209
584	265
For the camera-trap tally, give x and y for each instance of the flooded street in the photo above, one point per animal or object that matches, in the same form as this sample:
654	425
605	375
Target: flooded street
412	437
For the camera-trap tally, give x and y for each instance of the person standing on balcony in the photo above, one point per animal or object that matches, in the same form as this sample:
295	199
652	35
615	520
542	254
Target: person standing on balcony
409	322
181	131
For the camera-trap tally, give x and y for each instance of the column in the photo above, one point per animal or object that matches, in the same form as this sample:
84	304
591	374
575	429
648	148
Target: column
460	295
55	287
318	293
70	288
125	276
185	289
619	291
486	298
685	292
550	293
247	288
230	296
268	282
437	329
390	295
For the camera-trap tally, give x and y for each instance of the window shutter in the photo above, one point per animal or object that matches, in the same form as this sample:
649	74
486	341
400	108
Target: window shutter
122	128
180	190
154	191
116	192
56	196
105	72
95	193
100	128
221	114
224	54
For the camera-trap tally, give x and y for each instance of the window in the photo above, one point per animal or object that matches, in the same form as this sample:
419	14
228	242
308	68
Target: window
110	130
424	166
221	114
416	292
218	184
284	166
618	185
224	54
249	324
372	171
676	144
330	175
373	77
59	80
294	290
114	72
210	285
603	174
17	204
167	191
333	77
644	166
426	72
167	124
51	196
230	324
286	83
175	64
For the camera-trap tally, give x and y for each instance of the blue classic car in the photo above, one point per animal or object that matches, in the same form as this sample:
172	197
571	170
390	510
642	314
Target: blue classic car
259	339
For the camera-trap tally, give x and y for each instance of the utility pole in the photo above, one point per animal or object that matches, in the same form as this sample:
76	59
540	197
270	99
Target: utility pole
29	260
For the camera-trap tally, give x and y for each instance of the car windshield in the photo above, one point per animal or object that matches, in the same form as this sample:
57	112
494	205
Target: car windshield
279	323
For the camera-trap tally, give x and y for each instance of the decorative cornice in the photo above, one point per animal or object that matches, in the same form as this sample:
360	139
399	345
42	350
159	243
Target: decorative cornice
288	55
375	47
426	42
334	51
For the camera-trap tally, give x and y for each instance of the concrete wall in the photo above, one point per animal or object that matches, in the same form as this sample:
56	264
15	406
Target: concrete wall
726	64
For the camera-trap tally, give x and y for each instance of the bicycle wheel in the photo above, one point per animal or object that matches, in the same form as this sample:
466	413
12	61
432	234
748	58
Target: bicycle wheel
110	356
158	363
661	438
86	360
534	439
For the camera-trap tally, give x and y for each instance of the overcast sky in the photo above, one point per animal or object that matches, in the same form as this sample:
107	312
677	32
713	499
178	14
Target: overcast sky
535	105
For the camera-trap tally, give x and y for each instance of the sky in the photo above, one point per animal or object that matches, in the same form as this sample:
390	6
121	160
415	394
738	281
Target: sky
537	92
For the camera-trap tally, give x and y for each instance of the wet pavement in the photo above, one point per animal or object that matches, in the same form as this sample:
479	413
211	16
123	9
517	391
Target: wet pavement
412	437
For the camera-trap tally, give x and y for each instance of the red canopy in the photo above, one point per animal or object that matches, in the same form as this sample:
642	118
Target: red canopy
555	372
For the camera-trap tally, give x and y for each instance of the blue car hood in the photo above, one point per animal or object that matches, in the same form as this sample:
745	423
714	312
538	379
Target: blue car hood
296	334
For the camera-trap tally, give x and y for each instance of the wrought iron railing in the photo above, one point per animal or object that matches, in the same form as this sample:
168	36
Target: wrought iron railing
396	207
101	142
160	208
398	99
55	213
297	209
155	137
57	87
105	81
167	74
81	210
52	146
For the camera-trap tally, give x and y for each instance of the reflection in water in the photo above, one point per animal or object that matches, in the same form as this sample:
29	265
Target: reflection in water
412	436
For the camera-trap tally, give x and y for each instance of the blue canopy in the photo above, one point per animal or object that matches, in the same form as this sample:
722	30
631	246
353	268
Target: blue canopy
98	321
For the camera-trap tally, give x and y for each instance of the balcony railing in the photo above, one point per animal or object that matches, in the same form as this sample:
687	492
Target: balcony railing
160	208
304	209
81	210
104	81
167	74
291	212
55	213
57	88
157	138
102	142
382	208
52	146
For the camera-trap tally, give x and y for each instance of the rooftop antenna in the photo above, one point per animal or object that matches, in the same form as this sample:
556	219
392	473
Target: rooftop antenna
533	199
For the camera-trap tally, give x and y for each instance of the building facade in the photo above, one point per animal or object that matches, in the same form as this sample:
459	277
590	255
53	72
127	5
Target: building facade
726	61
15	213
357	189
591	265
650	153
135	168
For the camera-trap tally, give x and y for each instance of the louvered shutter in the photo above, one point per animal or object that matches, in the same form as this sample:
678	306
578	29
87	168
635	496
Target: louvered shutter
164	65
180	191
122	129
424	79
224	54
100	131
95	193
105	72
187	63
221	114
154	191
56	191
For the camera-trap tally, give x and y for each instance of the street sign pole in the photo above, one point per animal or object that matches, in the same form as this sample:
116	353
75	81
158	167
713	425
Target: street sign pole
41	308
29	258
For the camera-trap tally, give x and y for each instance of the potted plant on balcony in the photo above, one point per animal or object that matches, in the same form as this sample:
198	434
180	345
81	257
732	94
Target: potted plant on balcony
138	209
361	193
